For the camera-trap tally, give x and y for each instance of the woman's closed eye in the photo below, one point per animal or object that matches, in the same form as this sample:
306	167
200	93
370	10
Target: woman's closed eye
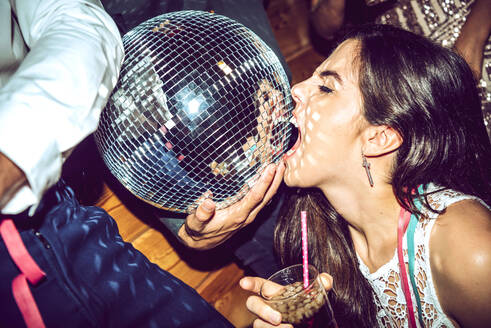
325	89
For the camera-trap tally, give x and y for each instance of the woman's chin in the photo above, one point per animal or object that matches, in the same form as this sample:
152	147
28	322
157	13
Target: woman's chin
288	178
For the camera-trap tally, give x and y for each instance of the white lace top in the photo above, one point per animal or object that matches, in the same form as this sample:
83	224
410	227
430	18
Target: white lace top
389	297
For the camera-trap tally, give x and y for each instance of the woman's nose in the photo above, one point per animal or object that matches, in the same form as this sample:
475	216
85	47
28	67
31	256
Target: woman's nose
299	95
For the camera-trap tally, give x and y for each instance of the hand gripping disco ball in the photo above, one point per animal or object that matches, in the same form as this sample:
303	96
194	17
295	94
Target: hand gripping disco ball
201	107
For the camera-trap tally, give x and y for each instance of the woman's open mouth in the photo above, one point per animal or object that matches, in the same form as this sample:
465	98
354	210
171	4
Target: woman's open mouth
294	139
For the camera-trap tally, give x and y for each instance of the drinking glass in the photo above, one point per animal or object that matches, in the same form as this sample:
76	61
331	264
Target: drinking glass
302	307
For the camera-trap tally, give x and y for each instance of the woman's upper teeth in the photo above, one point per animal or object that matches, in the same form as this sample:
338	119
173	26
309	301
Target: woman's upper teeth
294	121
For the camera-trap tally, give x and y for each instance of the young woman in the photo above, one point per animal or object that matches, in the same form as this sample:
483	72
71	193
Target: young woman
390	124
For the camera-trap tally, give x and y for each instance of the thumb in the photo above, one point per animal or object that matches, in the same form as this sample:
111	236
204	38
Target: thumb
252	284
203	214
326	280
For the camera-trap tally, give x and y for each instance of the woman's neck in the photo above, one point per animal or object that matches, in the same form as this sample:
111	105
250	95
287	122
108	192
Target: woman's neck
372	216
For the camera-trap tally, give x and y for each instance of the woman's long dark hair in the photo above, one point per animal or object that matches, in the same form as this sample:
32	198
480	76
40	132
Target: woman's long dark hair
428	94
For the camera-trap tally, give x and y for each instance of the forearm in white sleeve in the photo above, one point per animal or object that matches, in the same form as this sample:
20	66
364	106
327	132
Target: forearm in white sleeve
54	99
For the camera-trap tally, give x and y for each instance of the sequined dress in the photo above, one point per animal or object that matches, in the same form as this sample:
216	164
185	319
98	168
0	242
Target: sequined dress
441	21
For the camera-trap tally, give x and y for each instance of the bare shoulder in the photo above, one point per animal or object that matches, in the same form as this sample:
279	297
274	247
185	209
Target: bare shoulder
460	257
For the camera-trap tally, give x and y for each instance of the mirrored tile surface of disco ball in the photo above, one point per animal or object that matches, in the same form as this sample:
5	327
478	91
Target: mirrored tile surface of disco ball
202	105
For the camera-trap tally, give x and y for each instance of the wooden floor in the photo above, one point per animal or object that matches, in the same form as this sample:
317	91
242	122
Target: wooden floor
213	274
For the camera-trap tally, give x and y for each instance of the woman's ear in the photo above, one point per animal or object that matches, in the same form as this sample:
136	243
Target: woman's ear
381	140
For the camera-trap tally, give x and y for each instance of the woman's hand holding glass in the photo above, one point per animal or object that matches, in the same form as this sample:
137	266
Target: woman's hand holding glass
267	316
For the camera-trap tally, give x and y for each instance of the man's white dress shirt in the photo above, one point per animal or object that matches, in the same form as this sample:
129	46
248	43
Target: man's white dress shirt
59	61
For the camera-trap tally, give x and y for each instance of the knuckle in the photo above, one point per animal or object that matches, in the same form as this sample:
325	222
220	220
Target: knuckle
250	303
256	196
201	216
194	234
238	221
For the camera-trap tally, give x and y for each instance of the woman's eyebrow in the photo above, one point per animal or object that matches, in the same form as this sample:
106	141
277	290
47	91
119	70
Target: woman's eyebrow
334	74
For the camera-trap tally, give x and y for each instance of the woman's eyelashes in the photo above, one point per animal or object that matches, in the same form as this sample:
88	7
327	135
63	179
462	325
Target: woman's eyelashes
325	89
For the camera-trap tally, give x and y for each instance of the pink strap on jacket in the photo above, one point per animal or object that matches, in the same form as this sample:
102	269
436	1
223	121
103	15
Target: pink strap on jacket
30	271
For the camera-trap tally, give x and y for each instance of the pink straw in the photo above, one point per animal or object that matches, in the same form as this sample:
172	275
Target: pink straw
305	254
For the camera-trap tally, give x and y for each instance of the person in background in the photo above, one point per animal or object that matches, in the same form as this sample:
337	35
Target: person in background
392	168
464	26
62	262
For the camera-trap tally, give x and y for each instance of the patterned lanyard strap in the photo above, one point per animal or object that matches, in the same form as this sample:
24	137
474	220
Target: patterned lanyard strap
408	221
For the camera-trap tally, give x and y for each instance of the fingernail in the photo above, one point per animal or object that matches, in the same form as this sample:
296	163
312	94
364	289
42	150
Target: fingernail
325	281
275	317
208	205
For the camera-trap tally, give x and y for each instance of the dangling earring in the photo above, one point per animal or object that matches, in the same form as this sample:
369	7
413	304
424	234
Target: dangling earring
366	165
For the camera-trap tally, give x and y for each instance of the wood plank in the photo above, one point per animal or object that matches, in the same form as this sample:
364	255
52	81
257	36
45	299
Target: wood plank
232	305
130	227
188	275
157	249
219	281
221	289
288	19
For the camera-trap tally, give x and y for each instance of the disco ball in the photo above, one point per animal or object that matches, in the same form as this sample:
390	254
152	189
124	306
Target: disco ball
202	106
